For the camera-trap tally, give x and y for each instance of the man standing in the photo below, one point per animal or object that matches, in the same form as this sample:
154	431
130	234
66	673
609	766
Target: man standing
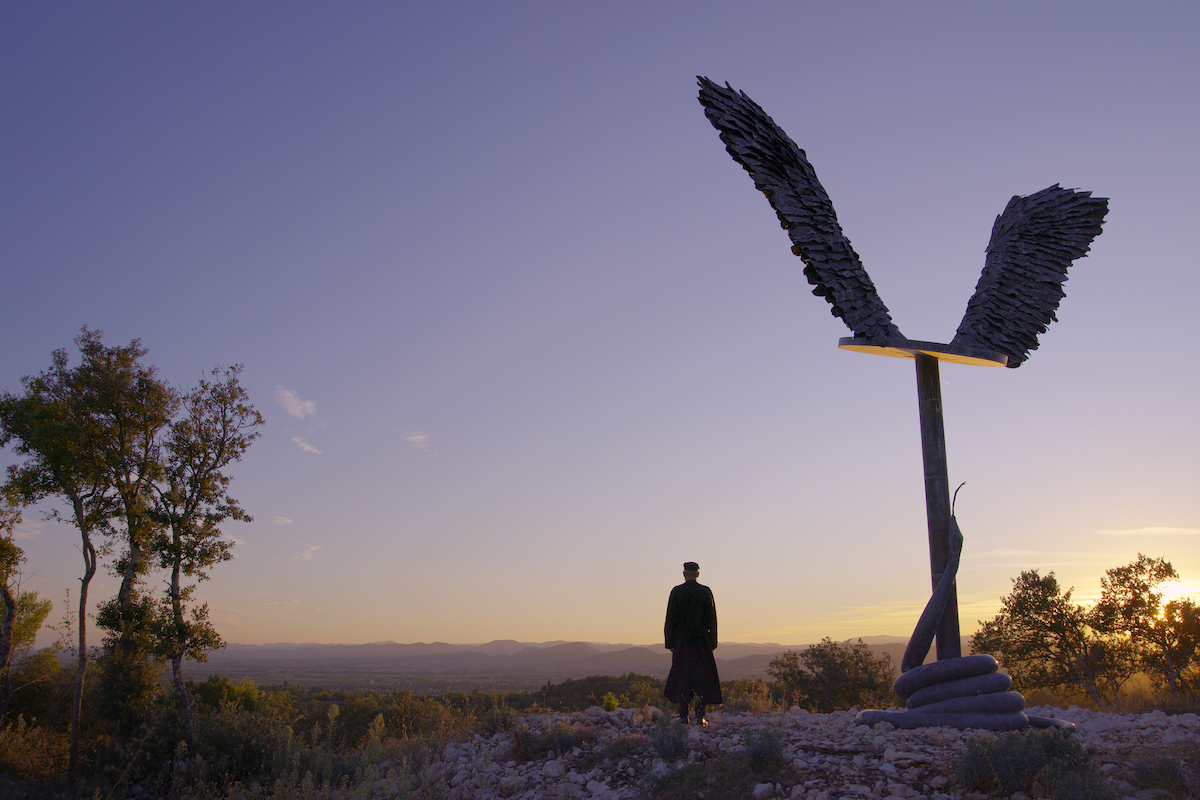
691	636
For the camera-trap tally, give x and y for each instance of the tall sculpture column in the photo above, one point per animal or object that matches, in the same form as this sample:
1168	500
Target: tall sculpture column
937	496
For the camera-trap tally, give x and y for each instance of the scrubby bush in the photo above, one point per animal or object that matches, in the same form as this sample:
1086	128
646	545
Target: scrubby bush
764	749
557	736
643	692
749	694
1166	777
32	752
576	694
499	718
669	738
1041	763
834	675
218	689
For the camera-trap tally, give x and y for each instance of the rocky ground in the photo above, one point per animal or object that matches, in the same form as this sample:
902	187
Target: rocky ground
610	755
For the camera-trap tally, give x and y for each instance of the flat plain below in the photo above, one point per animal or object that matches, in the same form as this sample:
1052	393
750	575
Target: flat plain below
498	666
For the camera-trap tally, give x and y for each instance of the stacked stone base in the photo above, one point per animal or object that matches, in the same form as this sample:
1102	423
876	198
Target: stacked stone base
967	692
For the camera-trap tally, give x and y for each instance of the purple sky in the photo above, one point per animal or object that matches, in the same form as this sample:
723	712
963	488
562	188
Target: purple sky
526	338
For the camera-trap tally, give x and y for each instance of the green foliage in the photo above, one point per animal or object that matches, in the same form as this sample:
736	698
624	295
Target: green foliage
669	737
764	749
1167	778
32	751
632	690
643	692
499	718
1164	637
45	689
1040	763
558	736
624	746
1044	640
128	687
728	776
609	702
32	611
232	740
749	694
143	466
834	675
218	689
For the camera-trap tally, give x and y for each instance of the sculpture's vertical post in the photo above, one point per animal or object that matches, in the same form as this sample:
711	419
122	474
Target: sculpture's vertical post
937	496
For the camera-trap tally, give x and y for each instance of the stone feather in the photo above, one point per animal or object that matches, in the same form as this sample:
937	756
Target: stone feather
781	171
1033	241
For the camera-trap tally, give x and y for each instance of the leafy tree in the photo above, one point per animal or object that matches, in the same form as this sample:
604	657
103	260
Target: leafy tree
1044	640
129	407
1165	636
190	503
52	426
144	466
834	675
1177	632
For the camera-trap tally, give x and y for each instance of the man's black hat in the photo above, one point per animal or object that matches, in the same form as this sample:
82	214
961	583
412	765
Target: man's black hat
691	566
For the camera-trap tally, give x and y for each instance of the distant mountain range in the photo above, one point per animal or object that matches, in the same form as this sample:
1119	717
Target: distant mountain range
504	664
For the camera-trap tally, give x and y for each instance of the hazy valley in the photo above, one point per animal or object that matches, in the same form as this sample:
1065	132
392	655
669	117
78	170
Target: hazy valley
501	665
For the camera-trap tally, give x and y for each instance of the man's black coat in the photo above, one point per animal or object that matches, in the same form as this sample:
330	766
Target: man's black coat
691	635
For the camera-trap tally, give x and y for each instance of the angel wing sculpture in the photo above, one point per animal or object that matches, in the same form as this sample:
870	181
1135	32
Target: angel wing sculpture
1033	243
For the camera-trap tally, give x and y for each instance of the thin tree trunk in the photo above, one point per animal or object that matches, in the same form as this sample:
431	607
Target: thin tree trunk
185	702
1080	667
181	646
89	561
1089	684
132	565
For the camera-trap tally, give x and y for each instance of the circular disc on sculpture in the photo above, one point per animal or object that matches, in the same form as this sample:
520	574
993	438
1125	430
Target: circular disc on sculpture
908	348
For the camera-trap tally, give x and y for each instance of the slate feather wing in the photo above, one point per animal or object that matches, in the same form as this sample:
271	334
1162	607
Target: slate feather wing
781	171
1033	242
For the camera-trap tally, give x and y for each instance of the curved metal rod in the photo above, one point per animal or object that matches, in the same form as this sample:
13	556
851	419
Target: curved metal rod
927	625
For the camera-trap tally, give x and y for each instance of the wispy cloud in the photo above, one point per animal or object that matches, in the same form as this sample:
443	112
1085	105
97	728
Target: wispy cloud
293	405
1151	532
305	446
307	555
418	440
27	530
283	521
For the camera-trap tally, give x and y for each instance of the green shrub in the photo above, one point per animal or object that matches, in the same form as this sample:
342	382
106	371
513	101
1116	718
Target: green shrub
1166	777
644	692
669	738
217	688
834	675
499	718
558	736
33	752
748	694
609	702
764	749
1037	762
632	690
